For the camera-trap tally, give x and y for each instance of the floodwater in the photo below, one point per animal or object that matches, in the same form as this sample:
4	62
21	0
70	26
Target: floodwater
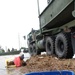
10	71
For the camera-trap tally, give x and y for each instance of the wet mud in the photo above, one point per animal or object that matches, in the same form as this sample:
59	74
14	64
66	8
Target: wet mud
44	63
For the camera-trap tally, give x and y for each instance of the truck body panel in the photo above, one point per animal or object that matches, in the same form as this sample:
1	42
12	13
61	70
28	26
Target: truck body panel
57	13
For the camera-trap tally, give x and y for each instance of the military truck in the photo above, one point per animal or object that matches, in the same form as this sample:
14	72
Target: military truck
57	30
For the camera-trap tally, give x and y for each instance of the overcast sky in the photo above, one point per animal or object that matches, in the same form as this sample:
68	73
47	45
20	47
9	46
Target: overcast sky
17	17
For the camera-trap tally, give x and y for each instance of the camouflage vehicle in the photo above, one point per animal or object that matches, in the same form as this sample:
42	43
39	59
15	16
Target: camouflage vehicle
57	30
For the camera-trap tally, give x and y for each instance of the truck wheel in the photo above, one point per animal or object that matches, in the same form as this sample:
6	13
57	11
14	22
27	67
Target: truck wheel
49	46
35	51
63	46
31	50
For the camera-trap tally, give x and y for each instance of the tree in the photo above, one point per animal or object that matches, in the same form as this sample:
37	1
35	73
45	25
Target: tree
2	50
12	49
8	50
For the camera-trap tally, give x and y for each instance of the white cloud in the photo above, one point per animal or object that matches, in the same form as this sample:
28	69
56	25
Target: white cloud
17	16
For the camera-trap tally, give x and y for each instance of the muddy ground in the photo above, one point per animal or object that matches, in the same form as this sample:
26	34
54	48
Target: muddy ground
47	63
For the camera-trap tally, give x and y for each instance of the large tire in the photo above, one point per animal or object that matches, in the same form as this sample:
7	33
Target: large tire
31	49
49	46
35	51
63	48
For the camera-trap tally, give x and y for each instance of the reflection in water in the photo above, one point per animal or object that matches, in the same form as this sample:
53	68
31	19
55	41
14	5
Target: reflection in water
14	71
10	71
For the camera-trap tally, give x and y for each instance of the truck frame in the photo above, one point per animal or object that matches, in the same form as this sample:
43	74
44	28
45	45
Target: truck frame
57	30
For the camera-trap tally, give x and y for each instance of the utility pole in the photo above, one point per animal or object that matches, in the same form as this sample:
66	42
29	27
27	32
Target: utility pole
19	40
39	15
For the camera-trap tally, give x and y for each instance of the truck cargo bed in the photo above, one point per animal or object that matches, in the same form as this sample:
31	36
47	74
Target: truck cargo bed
57	13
